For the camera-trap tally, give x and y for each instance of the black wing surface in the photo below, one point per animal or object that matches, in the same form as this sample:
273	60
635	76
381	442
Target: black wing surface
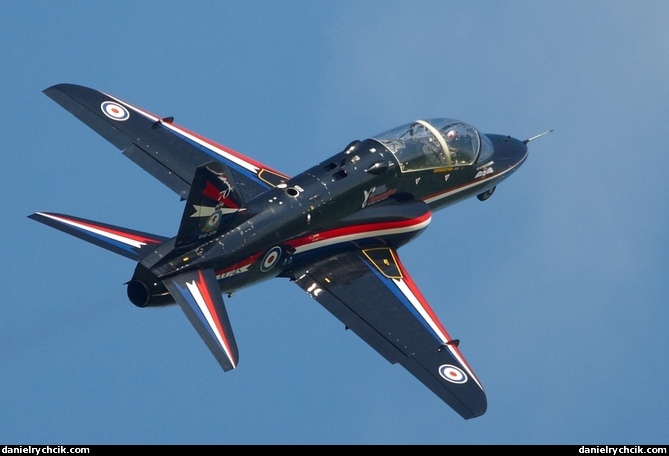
167	151
372	294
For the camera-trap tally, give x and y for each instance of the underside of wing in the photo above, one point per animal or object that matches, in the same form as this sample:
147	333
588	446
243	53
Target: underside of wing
372	294
199	297
167	151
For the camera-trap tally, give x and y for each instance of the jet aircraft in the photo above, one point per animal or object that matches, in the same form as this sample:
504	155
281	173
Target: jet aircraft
334	229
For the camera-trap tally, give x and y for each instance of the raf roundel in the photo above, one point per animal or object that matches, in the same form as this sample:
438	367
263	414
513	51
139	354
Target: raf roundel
452	374
270	259
115	111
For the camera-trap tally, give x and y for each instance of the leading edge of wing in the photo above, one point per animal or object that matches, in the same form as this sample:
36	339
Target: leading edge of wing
371	292
167	151
199	296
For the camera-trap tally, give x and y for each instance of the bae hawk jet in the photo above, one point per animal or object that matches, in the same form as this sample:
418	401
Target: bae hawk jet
334	229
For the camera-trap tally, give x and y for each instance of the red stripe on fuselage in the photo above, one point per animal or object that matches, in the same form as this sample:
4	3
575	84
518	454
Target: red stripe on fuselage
358	229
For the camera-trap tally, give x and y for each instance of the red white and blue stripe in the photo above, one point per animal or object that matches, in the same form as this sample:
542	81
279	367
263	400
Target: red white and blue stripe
204	302
123	241
408	293
236	160
357	232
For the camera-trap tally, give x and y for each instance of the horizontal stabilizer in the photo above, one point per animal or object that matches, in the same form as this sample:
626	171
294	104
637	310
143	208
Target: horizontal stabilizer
131	244
213	201
198	295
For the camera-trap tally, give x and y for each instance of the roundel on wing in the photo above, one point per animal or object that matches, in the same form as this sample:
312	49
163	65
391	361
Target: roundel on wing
452	374
270	259
114	111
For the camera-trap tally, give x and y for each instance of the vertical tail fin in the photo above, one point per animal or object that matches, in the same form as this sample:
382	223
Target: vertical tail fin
214	200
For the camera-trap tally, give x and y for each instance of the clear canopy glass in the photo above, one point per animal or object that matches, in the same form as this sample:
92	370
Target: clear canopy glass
432	143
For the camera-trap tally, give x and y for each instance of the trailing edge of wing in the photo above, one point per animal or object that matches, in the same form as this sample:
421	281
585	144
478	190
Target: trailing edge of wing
199	296
129	243
167	151
372	294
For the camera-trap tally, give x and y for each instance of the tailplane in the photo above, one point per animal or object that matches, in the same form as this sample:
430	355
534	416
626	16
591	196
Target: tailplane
214	200
129	243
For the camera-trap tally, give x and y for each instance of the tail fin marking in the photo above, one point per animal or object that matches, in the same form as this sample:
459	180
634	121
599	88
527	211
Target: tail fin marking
212	202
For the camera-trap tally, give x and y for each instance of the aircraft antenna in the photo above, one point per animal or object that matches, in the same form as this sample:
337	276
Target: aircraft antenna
537	136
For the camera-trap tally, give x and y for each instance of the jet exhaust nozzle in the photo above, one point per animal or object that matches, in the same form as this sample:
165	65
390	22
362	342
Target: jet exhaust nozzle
138	293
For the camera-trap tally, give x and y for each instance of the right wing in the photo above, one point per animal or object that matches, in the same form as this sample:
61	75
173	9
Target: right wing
372	294
167	151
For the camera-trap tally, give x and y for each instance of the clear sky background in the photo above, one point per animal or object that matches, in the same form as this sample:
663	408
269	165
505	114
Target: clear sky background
557	286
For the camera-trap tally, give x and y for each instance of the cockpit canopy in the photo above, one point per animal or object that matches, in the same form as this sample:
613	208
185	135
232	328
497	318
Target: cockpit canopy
435	143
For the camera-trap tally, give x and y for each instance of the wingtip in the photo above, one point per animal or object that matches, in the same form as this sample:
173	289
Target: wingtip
38	215
54	87
63	88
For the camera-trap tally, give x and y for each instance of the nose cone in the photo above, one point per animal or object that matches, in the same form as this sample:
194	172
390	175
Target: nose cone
508	152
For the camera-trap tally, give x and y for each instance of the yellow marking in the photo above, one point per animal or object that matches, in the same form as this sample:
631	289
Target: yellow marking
443	170
387	261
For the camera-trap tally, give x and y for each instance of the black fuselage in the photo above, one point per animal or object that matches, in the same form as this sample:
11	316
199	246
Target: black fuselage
355	191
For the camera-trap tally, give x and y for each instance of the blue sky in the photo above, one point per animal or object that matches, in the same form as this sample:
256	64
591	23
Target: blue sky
556	286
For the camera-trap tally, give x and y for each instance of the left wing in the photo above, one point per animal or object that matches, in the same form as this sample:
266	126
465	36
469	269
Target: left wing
371	293
167	151
199	296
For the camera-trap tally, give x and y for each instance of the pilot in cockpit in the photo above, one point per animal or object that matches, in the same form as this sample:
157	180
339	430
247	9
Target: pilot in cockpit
459	146
433	144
